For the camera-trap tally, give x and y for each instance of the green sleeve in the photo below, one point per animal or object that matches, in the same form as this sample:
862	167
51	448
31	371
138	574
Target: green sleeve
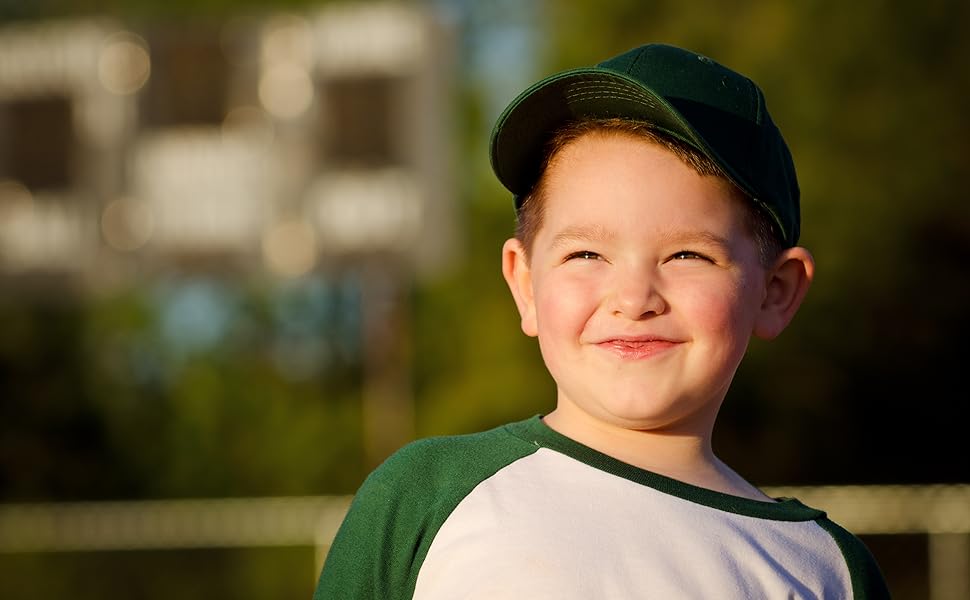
867	580
395	515
368	557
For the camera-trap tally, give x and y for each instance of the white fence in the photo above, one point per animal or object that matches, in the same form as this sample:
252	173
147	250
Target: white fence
942	512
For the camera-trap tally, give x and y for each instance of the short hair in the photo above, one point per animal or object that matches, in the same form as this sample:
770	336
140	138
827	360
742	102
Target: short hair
530	214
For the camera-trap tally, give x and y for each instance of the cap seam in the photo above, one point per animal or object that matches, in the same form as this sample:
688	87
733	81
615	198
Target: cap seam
635	61
758	102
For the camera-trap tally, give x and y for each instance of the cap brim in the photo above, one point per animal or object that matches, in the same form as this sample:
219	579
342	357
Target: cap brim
521	132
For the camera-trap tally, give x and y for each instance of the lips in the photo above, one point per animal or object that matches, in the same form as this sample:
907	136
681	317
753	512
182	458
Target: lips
636	348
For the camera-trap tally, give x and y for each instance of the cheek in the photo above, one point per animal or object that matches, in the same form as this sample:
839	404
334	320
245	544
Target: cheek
720	313
563	306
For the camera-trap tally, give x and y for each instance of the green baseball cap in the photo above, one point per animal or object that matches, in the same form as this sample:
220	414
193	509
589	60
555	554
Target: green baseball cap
716	110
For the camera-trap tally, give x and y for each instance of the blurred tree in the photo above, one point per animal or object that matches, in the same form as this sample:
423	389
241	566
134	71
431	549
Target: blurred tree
870	99
98	401
873	112
53	440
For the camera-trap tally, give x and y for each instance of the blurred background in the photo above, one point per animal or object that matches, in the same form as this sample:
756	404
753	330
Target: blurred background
249	248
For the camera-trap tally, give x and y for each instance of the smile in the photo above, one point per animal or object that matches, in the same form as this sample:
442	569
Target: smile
636	349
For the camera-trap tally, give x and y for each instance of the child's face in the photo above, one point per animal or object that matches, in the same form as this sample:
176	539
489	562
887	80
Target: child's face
643	285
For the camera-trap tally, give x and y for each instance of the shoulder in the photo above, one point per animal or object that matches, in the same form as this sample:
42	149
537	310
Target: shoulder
867	579
453	461
399	509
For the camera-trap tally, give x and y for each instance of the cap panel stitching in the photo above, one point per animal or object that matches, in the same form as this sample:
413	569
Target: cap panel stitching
607	94
588	90
637	59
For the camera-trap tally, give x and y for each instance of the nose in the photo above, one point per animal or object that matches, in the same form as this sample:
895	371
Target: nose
636	295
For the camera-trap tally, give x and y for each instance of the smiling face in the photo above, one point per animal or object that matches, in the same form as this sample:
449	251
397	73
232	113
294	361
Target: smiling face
643	285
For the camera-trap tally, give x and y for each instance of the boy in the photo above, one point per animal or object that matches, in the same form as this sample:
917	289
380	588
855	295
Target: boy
657	227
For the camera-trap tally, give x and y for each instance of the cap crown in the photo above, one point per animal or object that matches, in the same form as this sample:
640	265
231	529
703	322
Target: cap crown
718	111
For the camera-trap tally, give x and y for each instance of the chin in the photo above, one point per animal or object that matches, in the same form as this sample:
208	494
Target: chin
650	415
642	422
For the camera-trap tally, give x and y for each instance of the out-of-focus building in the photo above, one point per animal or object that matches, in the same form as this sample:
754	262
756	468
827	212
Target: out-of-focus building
273	145
67	115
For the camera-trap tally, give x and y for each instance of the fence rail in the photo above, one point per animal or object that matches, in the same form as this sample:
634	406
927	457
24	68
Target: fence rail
940	511
171	524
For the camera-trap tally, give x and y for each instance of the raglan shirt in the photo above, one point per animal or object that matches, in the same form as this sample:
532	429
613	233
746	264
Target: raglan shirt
522	511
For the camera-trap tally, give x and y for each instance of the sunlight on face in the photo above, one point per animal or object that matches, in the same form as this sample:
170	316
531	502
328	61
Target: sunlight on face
644	285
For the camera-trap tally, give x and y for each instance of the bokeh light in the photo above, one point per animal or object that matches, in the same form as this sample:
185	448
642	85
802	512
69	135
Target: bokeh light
290	248
124	64
127	224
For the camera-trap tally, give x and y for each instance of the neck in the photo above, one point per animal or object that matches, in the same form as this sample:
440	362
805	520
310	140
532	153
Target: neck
686	456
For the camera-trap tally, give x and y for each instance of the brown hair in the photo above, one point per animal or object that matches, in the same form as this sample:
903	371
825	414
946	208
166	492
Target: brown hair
531	212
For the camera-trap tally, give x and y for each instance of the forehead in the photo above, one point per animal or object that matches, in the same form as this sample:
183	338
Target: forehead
603	180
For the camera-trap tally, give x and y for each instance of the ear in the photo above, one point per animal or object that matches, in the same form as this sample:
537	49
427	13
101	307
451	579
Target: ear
786	283
518	274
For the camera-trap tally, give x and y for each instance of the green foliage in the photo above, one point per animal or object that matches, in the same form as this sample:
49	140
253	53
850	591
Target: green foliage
873	112
150	575
870	97
475	368
99	402
867	385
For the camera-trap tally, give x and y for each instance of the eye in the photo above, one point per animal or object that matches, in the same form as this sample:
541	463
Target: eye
583	255
689	255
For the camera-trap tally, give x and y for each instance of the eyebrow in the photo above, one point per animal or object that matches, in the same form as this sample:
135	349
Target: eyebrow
695	237
594	233
582	233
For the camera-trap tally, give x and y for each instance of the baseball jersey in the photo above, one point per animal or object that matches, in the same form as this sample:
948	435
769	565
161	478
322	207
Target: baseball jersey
522	511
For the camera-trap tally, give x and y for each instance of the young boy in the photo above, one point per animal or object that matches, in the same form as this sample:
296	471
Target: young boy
657	227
